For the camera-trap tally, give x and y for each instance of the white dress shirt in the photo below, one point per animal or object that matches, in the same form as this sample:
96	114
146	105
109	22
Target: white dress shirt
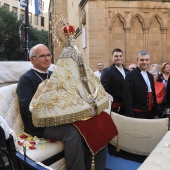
98	73
145	77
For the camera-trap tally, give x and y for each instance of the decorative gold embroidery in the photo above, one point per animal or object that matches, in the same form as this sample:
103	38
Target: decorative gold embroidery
58	100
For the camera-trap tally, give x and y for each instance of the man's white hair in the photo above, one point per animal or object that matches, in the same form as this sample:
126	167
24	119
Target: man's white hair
32	50
156	72
157	65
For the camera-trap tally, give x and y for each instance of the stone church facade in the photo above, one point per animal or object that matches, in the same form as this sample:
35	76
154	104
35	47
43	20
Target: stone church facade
102	25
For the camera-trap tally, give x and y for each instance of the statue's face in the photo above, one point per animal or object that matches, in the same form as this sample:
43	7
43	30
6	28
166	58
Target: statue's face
72	42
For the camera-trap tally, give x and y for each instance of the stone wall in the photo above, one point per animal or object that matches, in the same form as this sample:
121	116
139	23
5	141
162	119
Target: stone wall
129	25
135	26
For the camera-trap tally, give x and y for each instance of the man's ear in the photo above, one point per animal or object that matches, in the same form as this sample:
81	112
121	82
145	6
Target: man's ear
31	59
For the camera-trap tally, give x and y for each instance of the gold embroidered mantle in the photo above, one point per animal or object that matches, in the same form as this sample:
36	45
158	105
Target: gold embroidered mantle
69	95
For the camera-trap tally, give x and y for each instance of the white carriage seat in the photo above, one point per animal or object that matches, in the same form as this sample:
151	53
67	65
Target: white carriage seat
138	136
11	71
10	112
159	159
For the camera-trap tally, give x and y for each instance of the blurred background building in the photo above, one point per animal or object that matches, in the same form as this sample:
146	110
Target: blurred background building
102	25
34	19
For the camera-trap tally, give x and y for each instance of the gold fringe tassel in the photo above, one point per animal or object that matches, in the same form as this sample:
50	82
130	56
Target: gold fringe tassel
117	145
92	163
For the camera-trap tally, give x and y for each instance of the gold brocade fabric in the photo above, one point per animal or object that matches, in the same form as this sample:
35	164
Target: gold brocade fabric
72	93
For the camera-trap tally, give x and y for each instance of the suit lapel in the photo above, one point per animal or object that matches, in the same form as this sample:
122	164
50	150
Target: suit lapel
115	70
140	75
126	71
118	72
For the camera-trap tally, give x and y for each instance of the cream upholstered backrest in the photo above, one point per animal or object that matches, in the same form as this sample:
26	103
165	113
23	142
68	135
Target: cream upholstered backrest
139	136
9	108
11	71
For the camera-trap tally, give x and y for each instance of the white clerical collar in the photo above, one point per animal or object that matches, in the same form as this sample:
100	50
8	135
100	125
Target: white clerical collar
40	71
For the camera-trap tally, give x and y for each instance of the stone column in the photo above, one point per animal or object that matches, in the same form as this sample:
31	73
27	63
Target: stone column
163	44
145	38
109	21
127	31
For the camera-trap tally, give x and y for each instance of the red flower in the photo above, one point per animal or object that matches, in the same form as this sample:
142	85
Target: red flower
20	143
32	142
52	141
32	147
23	136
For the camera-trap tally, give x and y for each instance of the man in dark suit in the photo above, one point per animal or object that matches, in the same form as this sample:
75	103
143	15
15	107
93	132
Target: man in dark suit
112	79
139	91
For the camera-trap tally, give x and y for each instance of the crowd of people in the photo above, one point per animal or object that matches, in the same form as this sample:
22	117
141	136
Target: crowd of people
136	93
77	153
142	90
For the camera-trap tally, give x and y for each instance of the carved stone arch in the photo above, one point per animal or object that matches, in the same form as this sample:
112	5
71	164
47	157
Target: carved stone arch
160	20
122	19
140	17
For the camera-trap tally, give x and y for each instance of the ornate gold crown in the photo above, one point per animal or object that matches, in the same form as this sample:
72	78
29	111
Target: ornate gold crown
68	30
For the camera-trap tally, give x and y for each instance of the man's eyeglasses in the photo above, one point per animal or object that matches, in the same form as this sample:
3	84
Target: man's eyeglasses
43	56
